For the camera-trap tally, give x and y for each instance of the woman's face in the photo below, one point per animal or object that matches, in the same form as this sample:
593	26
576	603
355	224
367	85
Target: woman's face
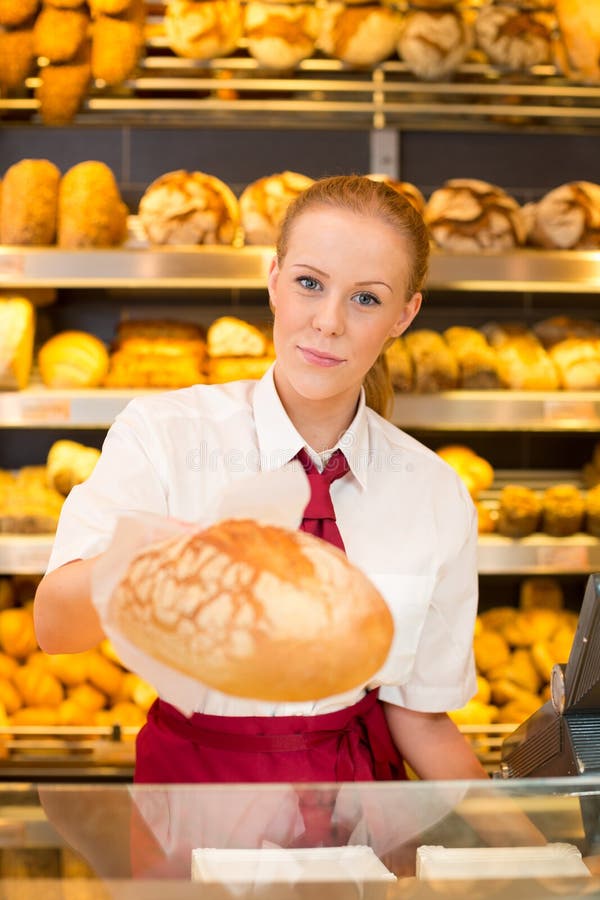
338	295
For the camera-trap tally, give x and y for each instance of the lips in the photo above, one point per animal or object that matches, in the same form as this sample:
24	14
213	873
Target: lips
318	358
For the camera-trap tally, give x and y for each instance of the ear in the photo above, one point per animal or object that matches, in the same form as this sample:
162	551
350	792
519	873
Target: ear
409	311
272	282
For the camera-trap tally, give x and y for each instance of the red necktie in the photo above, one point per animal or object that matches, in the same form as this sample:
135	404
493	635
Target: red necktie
319	515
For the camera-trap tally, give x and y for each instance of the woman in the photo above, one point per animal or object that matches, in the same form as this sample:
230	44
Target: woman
346	281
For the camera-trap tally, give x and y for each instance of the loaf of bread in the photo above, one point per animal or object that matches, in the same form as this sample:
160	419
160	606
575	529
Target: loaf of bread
578	49
400	366
280	35
477	361
433	44
90	210
73	359
16	12
578	363
237	368
567	218
16	58
189	208
359	35
62	89
164	329
434	366
524	365
59	34
559	328
518	512
230	336
69	463
255	611
117	44
563	510
468	215
406	188
16	342
474	470
512	37
29	203
203	30
264	202
154	360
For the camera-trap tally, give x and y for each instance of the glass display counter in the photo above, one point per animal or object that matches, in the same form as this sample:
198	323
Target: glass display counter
516	838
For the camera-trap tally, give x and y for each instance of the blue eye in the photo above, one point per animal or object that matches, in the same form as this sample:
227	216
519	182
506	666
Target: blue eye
366	299
306	281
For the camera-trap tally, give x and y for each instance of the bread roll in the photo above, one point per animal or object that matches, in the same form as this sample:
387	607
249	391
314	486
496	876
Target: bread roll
514	38
264	202
568	217
468	215
238	368
474	470
117	45
69	463
229	336
16	58
90	210
400	366
541	593
359	35
519	511
578	363
490	650
435	368
559	328
164	329
563	510
29	203
477	361
434	44
578	49
280	35
408	190
59	34
203	30
255	611
189	208
524	365
73	359
16	342
16	12
63	88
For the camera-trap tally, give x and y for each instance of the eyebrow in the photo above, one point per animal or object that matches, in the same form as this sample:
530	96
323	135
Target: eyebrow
325	275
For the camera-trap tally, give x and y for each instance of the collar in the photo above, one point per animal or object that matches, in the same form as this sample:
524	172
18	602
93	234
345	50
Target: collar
279	441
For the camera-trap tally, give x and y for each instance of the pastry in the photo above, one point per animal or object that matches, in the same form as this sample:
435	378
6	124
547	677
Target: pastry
578	49
16	58
152	360
229	336
434	44
490	650
474	470
205	29
519	669
530	626
63	89
280	35
73	359
408	190
15	12
164	329
544	593
265	608
578	363
90	210
117	44
514	38
559	328
477	361
400	366
518	512
563	510
468	215
592	506
29	203
359	35
524	365
69	463
16	342
568	217
434	366
238	368
264	202
59	34
189	208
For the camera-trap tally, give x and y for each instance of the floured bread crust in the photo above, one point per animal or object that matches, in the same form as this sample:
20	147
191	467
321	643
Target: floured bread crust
568	217
359	35
434	44
264	202
203	30
255	611
280	35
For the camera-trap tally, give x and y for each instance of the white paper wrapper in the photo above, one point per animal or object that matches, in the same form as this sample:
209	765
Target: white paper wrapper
274	498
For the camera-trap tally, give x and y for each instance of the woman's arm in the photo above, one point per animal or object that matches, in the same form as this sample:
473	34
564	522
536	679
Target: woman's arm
432	745
65	619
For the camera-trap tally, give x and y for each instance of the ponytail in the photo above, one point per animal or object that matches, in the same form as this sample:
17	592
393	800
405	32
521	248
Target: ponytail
379	393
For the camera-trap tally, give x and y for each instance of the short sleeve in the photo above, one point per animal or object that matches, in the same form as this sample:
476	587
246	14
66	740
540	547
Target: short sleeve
126	478
443	676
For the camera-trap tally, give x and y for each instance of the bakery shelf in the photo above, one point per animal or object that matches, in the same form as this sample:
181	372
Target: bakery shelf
40	407
24	554
206	267
499	411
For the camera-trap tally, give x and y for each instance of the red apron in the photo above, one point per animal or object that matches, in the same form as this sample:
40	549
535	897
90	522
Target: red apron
352	744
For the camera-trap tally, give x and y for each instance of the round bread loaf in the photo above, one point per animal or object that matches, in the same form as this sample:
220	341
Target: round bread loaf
203	30
264	202
255	611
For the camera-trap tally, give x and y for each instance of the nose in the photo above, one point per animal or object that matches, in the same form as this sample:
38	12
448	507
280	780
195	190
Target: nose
329	316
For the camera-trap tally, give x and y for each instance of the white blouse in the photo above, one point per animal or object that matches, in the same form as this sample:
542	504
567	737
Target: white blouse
405	518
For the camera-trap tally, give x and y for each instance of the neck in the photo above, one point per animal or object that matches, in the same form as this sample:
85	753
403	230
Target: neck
319	422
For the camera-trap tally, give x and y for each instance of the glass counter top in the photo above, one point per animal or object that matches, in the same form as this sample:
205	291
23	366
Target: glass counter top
515	838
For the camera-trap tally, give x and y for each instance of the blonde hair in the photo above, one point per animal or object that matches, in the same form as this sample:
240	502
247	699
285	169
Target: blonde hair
364	197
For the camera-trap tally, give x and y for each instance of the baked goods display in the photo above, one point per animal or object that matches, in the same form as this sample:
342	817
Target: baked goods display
73	359
433	43
477	362
117	39
59	34
359	36
406	188
515	650
474	470
263	204
280	35
203	30
400	366
563	510
62	88
513	37
16	58
519	511
28	214
16	342
90	210
467	215
296	622
189	208
567	218
237	350
158	354
16	12
434	366
578	46
69	463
